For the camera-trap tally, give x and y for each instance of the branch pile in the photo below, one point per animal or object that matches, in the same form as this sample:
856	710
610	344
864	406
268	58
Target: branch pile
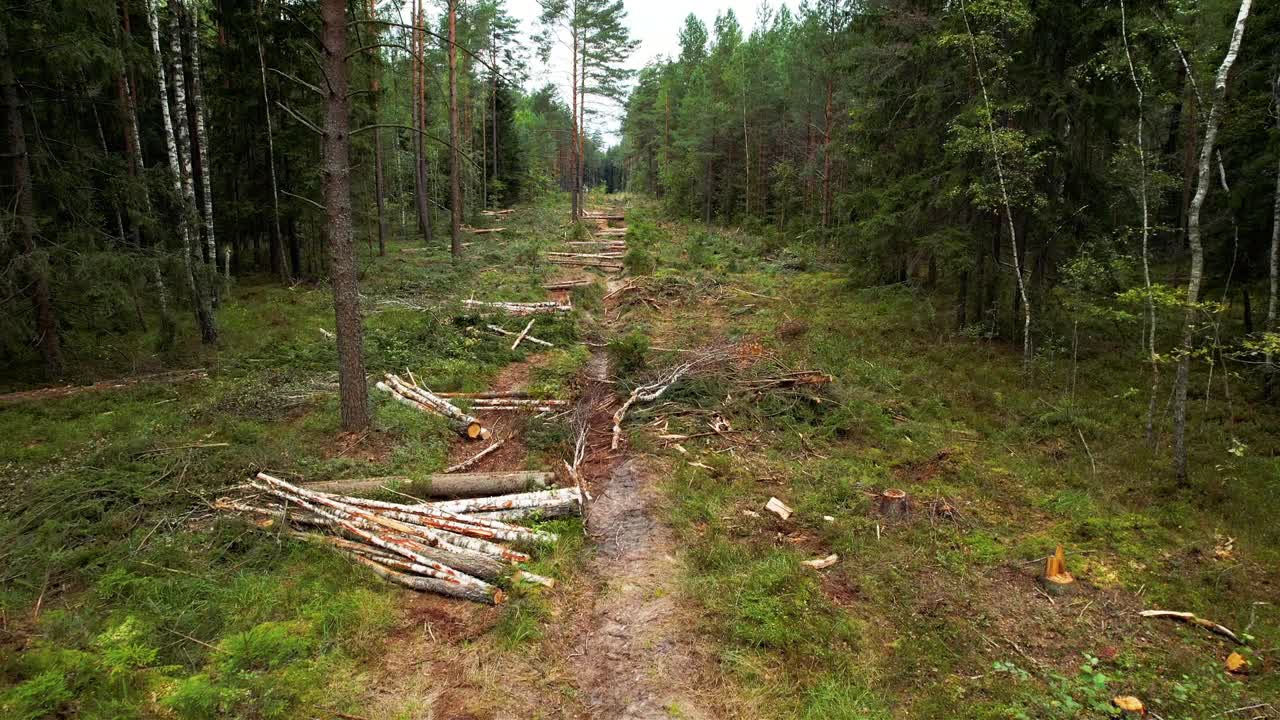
457	548
651	391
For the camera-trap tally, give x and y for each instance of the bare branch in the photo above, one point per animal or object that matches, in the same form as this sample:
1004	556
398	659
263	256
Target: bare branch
313	203
307	123
298	80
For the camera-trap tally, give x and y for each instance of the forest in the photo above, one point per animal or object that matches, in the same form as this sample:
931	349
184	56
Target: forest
465	358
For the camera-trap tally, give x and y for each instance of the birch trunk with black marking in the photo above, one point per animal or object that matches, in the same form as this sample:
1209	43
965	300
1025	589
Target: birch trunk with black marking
471	563
1197	248
488	594
543	498
352	390
462	422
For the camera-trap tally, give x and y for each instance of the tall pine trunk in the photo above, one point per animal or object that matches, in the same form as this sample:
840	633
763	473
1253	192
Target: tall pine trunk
421	197
575	206
379	181
352	388
1197	249
1274	270
455	172
36	271
279	265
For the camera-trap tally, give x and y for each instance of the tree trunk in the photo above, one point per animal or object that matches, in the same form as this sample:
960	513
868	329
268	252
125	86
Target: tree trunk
190	252
575	206
445	485
202	147
421	196
337	199
826	159
1274	272
24	219
379	181
1197	249
278	264
455	169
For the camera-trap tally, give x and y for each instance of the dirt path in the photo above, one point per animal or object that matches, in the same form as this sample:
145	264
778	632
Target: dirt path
633	654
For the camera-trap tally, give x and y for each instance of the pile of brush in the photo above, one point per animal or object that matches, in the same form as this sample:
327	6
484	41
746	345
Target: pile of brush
458	548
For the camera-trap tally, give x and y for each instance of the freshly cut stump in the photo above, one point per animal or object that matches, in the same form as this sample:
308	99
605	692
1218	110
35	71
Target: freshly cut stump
895	504
1056	580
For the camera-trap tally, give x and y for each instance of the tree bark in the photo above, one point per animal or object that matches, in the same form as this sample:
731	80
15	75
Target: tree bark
421	197
202	147
1197	249
279	265
445	485
1275	248
379	180
190	251
352	389
24	219
455	162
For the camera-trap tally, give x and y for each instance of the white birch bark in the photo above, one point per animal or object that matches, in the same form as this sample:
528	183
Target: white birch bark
202	145
1197	248
1146	232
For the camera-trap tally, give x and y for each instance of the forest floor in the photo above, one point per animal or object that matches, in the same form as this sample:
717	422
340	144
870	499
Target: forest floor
681	596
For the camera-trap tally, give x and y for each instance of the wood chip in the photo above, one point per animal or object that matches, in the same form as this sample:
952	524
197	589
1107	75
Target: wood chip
779	508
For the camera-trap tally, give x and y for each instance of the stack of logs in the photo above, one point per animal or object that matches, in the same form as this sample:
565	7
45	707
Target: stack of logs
459	548
420	398
604	252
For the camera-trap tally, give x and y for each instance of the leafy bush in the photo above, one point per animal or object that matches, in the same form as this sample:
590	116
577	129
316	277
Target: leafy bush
628	353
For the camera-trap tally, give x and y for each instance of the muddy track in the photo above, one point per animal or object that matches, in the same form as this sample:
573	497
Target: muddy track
633	655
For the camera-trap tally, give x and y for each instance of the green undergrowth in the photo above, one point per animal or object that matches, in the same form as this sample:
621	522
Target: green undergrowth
125	596
920	618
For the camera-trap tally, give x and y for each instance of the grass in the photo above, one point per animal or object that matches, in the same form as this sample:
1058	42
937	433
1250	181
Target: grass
921	618
124	597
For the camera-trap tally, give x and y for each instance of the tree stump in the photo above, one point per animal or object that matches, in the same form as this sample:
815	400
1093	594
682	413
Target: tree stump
894	504
1056	579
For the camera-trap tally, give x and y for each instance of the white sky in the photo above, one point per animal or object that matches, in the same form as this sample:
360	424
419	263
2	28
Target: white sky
655	23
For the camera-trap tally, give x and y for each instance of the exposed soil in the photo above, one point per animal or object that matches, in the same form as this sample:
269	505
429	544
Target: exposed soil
620	644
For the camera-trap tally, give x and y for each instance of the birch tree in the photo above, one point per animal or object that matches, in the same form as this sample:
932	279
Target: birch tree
185	200
1212	122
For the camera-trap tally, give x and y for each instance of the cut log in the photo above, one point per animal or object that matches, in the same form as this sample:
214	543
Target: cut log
484	231
603	216
894	504
497	213
523	333
821	563
515	308
567	508
486	395
567	284
1056	580
1129	704
432	517
545	498
587	256
480	403
466	425
574	262
457	484
471	563
487	594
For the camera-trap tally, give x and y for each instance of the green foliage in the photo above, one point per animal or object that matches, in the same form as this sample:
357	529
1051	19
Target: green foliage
628	352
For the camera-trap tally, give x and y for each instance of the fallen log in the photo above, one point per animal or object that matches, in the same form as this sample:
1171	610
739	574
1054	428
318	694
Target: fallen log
572	262
523	333
483	231
465	424
444	485
587	256
532	339
1191	618
567	284
469	562
458	467
496	213
432	517
548	511
343	517
480	403
544	498
516	308
486	395
488	594
58	391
